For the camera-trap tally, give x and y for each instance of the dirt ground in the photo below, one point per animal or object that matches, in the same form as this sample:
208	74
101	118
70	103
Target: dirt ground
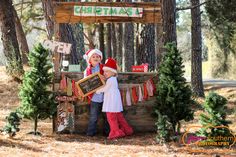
138	145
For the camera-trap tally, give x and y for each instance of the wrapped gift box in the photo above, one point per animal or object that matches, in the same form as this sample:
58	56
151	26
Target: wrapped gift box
140	68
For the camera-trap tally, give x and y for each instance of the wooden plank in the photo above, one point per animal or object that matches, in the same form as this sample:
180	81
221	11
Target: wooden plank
138	116
64	13
114	4
123	77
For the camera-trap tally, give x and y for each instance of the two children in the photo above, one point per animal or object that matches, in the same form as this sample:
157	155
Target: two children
110	102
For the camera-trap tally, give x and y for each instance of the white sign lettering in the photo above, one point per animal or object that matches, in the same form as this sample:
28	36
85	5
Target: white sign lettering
56	46
107	11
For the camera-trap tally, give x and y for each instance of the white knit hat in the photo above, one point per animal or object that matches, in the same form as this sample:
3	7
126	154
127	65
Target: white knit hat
90	52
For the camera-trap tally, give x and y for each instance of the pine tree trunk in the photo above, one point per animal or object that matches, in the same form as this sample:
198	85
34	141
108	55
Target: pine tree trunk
169	20
128	53
35	125
108	40
101	40
10	45
159	46
48	16
79	39
21	38
66	35
196	57
147	47
113	40
119	30
138	55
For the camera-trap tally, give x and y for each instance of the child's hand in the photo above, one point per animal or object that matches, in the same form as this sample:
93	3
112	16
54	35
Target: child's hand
103	77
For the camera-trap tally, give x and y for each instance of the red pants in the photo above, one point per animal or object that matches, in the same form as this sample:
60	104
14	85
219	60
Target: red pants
118	125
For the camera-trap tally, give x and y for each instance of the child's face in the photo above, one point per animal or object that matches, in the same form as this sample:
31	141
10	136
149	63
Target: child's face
95	59
108	73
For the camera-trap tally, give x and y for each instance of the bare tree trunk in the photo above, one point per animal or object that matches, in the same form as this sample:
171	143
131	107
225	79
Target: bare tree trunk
119	38
101	40
159	46
128	53
79	39
138	54
66	35
147	47
113	41
48	15
21	38
10	45
108	40
169	23
196	57
119	30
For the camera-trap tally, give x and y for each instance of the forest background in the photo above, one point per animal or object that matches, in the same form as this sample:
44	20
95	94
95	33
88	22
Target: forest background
218	48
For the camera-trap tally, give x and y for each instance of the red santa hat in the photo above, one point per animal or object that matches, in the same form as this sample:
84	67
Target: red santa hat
90	52
111	65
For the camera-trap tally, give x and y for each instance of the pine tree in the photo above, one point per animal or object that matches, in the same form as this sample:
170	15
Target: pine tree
173	94
12	125
163	127
37	102
215	106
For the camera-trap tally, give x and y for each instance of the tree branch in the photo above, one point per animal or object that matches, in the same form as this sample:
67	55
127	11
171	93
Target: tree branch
23	3
191	7
38	28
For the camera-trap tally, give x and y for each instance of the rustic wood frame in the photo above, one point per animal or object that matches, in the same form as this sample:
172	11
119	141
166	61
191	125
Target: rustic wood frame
87	78
151	12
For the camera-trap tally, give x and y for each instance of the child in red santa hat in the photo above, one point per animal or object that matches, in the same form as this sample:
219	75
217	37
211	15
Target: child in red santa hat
112	104
94	58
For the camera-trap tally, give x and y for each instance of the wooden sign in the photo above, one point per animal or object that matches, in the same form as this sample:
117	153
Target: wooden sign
90	84
65	117
56	46
66	98
107	12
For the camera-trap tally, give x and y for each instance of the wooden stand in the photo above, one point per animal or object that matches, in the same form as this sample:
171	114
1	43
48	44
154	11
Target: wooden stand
138	115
